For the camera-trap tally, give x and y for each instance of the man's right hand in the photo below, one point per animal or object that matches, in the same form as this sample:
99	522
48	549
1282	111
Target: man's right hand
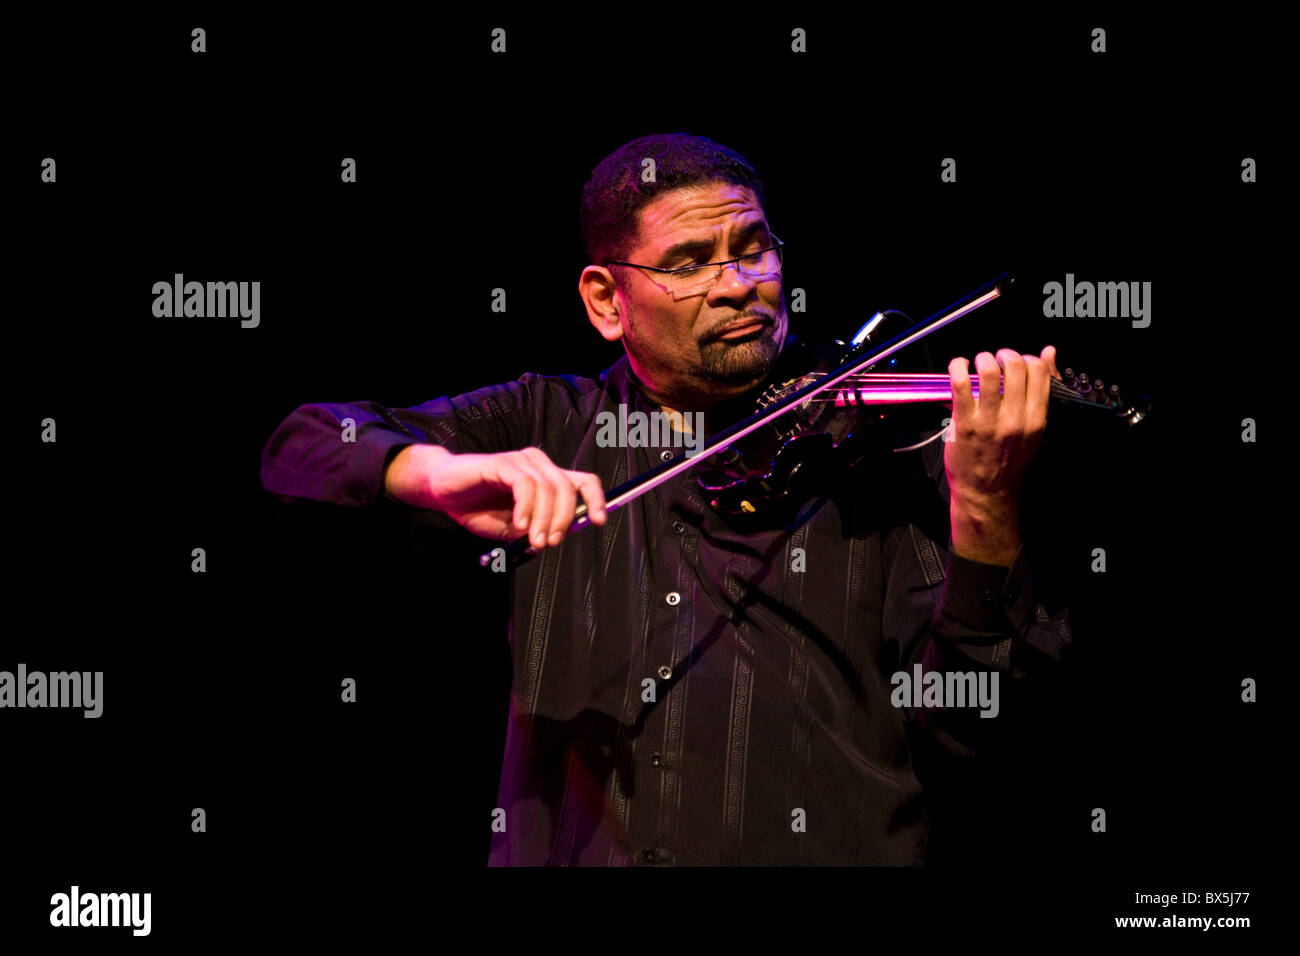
499	496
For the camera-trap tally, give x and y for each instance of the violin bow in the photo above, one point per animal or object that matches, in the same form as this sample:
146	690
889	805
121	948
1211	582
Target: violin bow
520	549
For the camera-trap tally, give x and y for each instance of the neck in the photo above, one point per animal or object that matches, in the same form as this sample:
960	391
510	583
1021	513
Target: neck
720	411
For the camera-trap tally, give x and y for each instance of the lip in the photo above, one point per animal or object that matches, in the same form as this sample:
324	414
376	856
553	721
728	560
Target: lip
740	331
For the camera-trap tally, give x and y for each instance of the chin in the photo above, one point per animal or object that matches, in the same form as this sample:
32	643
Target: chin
747	363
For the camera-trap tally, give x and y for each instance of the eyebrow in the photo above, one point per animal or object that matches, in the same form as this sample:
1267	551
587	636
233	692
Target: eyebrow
698	245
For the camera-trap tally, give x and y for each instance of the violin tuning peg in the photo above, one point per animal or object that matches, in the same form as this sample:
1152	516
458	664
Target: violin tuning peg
1099	390
1114	397
1068	376
1085	385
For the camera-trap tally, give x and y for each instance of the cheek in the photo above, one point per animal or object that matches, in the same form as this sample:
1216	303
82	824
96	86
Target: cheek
770	292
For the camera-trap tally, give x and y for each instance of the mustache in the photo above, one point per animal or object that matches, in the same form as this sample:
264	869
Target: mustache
745	318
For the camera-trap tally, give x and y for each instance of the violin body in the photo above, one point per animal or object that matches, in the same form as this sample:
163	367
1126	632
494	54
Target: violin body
795	454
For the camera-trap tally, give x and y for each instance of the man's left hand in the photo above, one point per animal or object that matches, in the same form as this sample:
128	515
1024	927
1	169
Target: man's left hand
992	441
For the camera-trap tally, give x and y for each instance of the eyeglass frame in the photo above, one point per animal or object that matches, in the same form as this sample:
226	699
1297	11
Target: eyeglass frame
724	262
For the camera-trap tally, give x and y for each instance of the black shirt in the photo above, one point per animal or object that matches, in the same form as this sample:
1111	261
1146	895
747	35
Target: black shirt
688	692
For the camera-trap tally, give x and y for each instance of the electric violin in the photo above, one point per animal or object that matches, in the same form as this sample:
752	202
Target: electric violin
820	423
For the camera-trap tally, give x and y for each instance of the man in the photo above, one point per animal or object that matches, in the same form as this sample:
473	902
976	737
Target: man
687	690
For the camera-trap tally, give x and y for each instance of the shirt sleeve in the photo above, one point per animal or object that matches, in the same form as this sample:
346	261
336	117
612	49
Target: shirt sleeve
338	453
987	617
983	620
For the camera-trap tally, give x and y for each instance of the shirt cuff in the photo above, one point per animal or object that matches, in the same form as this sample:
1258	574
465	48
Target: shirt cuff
364	481
987	597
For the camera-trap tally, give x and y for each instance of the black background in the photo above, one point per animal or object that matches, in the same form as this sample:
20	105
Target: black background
370	820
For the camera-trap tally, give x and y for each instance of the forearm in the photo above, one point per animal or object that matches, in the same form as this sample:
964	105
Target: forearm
317	453
986	530
406	477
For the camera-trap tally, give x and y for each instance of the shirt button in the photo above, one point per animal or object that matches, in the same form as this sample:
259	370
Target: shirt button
665	455
673	598
679	528
657	854
988	598
656	760
665	672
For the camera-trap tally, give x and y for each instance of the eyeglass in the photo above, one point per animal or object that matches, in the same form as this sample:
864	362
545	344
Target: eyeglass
692	280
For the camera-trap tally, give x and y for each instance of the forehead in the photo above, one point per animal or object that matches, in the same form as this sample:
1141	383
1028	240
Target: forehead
698	211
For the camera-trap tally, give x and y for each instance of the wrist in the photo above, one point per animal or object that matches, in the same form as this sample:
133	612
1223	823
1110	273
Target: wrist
407	476
985	530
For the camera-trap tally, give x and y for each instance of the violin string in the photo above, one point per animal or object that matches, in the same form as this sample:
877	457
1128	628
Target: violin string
921	380
920	387
941	383
919	377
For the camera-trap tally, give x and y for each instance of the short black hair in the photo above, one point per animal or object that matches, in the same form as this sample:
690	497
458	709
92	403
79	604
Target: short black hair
612	199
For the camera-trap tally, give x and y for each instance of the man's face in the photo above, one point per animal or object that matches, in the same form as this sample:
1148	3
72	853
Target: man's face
713	344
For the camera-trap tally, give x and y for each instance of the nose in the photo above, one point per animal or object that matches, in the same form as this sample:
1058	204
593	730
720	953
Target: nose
732	283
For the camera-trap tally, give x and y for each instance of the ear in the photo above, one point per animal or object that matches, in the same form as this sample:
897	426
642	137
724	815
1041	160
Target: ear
600	294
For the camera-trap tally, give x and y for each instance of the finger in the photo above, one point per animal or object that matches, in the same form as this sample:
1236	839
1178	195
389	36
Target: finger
592	493
1038	389
495	524
523	488
566	501
990	376
539	524
1013	388
1049	356
963	403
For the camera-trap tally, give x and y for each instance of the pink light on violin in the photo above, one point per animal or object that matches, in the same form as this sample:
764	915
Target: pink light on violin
885	389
